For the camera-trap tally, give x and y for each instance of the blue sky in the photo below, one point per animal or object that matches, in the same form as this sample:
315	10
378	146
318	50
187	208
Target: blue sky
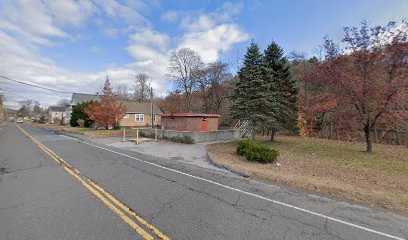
71	45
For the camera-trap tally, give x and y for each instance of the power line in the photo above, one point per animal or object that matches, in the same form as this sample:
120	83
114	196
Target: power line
34	85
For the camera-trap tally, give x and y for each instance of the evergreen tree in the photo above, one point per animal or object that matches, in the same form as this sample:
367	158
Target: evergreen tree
283	88
78	112
251	97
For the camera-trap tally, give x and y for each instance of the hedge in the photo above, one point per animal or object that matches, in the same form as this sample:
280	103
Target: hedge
258	152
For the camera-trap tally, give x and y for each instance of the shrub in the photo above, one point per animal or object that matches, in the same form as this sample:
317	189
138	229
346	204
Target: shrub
185	139
258	152
81	123
147	135
78	112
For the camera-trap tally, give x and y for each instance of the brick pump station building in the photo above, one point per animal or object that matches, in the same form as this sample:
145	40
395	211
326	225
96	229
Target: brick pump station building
191	122
197	126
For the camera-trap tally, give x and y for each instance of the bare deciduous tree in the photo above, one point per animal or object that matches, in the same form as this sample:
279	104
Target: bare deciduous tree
62	102
183	71
121	92
212	85
142	87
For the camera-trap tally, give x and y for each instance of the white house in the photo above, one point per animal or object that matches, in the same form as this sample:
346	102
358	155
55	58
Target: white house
56	113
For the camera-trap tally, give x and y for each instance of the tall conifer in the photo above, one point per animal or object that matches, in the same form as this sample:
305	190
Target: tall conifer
284	90
251	99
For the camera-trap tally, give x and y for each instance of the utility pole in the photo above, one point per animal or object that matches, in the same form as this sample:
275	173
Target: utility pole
151	105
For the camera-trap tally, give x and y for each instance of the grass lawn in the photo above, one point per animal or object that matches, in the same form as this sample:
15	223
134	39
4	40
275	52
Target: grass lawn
337	168
95	133
89	132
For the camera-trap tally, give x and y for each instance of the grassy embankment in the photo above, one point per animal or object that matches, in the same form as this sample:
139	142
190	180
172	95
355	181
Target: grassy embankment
336	168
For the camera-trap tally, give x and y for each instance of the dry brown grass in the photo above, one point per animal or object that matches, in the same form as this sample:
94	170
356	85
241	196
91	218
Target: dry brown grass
89	132
337	168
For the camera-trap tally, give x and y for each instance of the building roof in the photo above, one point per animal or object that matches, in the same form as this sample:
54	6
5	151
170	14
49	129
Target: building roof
56	109
140	107
78	98
191	115
131	106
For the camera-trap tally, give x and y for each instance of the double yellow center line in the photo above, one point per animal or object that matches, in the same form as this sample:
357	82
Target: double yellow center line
110	201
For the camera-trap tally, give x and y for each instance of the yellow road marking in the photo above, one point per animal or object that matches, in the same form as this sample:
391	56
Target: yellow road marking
102	194
129	211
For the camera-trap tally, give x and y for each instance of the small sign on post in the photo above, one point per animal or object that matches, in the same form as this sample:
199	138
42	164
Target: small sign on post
155	134
124	135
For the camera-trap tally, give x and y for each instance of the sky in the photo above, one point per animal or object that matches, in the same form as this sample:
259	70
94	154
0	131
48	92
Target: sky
72	45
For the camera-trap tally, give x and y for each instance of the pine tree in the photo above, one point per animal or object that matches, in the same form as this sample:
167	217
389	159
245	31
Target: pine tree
251	97
78	112
283	88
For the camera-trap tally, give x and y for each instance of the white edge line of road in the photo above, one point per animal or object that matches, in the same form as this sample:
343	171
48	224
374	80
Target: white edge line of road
247	193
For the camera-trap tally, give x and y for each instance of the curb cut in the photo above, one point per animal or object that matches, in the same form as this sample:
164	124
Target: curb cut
223	166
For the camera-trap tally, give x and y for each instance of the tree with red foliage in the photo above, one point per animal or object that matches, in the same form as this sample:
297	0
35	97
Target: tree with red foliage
173	103
368	82
107	111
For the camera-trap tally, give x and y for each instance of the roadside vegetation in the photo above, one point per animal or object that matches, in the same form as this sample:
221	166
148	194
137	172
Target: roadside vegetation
89	132
256	151
185	139
335	168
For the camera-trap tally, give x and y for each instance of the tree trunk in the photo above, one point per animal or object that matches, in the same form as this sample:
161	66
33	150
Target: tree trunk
253	135
331	130
368	139
398	137
375	134
273	135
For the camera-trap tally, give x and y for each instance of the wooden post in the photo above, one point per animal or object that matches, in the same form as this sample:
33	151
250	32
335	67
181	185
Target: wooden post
137	136
124	135
155	134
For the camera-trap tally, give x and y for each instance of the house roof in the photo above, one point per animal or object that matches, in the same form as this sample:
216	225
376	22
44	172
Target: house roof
131	106
56	109
140	107
78	98
191	115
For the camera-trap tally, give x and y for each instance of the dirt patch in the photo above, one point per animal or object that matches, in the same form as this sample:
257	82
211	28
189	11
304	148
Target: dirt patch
336	168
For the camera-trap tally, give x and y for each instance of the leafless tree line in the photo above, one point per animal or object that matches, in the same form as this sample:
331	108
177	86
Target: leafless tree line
141	91
204	87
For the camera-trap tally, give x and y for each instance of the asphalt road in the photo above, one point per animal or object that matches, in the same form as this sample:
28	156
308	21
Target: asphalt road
40	199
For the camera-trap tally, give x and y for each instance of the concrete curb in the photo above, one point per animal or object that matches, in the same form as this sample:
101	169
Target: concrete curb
223	166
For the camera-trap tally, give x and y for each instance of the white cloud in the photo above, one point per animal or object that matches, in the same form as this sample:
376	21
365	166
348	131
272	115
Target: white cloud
95	49
25	25
170	16
70	12
150	49
36	21
211	42
213	33
201	21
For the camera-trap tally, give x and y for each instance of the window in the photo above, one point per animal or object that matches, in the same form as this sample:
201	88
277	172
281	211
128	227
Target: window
139	117
126	116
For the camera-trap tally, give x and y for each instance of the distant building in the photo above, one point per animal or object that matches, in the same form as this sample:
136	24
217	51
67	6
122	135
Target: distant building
56	114
138	114
10	114
192	122
78	98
